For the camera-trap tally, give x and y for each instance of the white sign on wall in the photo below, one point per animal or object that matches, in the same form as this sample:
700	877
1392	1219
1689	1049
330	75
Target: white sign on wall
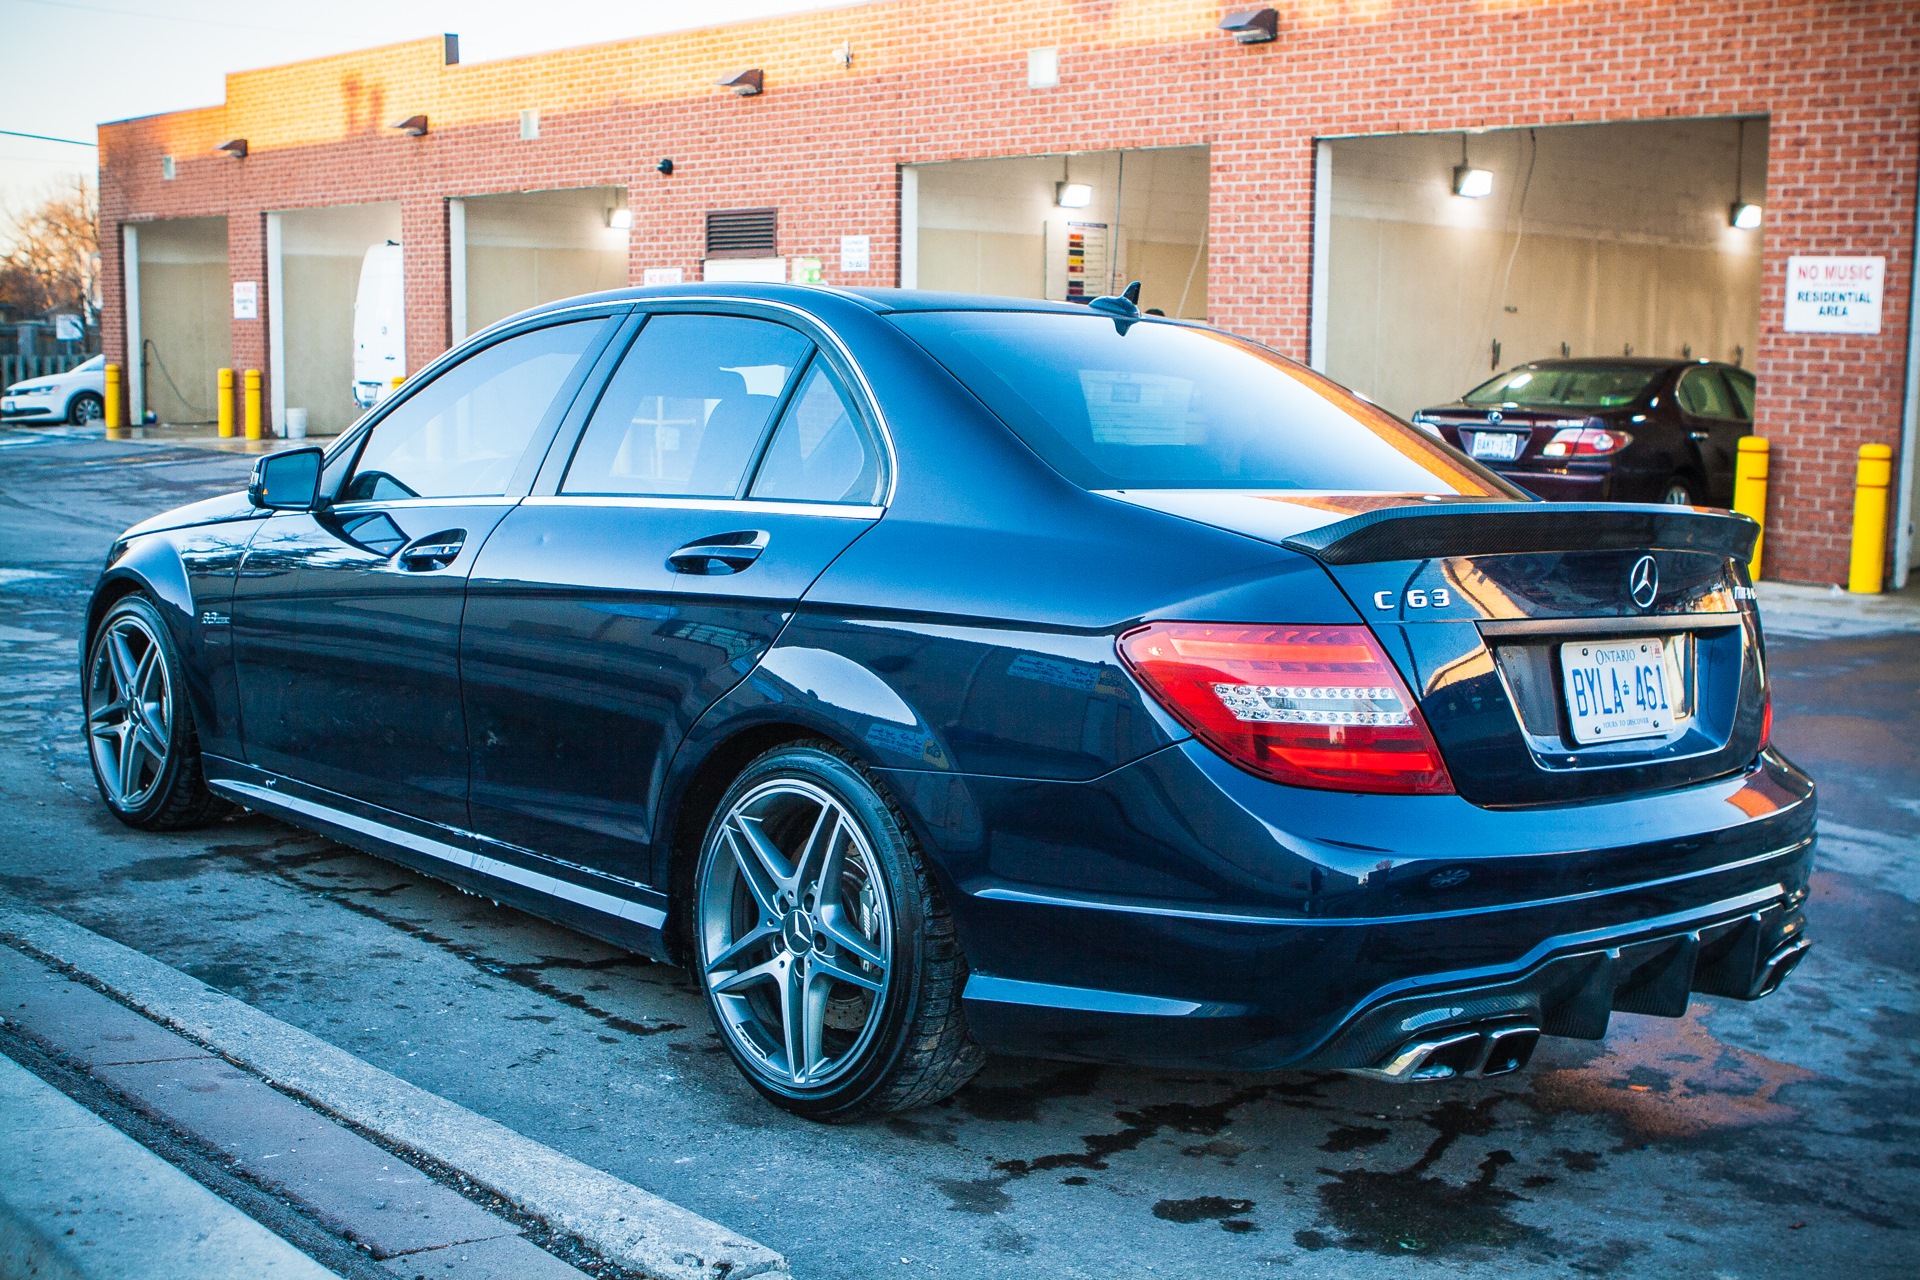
663	275
856	253
1834	295
246	300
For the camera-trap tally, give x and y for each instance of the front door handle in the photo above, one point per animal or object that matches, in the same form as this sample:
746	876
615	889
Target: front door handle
435	551
1700	435
721	553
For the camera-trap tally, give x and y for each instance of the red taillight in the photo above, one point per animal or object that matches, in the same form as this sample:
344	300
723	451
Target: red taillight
1307	706
1766	722
1585	442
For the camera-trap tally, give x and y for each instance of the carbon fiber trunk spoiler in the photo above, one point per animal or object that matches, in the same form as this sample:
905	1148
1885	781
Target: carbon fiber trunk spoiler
1505	528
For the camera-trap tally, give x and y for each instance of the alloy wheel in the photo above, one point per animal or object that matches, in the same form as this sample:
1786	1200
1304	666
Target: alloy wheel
795	933
1677	495
129	712
86	410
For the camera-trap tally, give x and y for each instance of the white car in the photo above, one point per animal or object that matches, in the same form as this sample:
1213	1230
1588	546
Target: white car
78	396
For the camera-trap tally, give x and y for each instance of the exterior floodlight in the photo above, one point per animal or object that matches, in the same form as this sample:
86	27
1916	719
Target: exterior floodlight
620	219
666	166
1472	183
1252	26
1744	216
412	126
235	147
746	83
1072	195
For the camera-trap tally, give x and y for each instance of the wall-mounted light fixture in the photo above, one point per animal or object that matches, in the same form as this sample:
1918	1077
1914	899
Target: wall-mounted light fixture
1072	195
412	126
235	147
666	166
843	56
1252	26
746	83
1468	181
620	218
1743	216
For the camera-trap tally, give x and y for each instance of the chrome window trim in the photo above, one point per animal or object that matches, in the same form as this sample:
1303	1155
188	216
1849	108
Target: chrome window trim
749	506
402	504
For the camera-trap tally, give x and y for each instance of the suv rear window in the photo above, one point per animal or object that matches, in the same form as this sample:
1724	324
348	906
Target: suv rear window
1584	386
1150	405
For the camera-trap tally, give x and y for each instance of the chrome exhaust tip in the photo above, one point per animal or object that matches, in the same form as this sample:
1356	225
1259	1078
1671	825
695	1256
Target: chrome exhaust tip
1778	965
1467	1055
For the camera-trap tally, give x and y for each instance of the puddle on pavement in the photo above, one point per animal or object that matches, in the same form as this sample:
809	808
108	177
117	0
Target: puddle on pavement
1670	1078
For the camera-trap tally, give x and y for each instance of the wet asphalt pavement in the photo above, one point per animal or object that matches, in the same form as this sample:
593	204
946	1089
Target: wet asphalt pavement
1741	1141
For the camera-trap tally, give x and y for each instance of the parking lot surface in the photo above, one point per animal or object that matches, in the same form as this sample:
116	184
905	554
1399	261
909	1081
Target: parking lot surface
1742	1140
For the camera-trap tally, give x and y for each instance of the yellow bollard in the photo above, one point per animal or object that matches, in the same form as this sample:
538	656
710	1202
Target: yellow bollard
223	403
253	404
1866	574
1750	491
110	412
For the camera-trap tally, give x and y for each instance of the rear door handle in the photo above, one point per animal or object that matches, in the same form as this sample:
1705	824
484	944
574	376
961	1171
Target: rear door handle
1700	435
435	551
721	553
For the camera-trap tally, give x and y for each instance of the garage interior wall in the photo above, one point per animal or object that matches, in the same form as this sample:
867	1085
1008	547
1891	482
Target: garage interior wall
1598	237
994	226
540	246
320	255
184	298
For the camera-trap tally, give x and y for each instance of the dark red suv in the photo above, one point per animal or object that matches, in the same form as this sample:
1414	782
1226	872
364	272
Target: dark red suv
1626	430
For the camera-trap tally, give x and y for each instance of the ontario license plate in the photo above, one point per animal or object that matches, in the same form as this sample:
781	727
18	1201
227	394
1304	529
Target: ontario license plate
1621	689
1499	446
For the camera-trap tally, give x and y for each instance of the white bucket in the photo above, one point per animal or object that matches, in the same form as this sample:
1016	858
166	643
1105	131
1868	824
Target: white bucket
296	424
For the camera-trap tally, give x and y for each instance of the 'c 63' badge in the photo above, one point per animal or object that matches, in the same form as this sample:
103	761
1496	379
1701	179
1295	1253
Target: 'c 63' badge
1438	598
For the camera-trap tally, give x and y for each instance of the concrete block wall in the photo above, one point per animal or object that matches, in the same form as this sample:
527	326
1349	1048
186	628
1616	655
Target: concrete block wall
1839	84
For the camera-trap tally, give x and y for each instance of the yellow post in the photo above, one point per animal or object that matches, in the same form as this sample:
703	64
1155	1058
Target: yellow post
1750	491
253	404
110	412
1866	574
223	403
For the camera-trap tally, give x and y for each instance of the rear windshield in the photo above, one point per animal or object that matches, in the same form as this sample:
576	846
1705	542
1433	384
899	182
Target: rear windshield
1145	405
1585	386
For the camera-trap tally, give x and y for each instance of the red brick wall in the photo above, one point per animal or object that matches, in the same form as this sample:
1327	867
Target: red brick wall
1840	83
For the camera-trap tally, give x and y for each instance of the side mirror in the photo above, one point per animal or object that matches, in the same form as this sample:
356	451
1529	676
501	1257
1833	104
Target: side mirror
288	481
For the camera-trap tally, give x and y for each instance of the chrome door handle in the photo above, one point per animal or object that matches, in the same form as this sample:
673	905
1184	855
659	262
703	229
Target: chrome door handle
721	553
435	551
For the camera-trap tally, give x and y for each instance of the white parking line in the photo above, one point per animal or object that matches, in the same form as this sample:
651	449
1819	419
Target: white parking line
625	1223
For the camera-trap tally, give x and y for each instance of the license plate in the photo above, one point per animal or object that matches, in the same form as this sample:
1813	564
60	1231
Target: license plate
1500	446
1621	689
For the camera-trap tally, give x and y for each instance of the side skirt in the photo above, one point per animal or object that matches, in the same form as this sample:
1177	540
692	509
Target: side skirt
624	912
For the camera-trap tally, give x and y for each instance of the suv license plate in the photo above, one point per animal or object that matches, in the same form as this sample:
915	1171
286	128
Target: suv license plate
1500	446
1620	689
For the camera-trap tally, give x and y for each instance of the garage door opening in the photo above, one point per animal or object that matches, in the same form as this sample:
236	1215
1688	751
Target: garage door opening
511	252
320	254
178	272
1064	227
1590	240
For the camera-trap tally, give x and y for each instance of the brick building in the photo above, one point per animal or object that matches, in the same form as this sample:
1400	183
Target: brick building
1297	190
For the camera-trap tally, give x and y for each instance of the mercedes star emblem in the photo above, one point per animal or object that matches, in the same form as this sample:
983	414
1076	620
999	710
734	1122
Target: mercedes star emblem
1643	584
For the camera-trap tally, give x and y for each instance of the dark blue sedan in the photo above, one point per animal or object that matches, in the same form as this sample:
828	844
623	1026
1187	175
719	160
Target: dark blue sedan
936	675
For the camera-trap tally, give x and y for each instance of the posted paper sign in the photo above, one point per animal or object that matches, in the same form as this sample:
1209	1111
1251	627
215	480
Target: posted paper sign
856	253
1834	295
663	275
246	300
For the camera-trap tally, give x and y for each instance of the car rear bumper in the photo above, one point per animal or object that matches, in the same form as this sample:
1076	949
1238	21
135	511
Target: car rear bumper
1312	953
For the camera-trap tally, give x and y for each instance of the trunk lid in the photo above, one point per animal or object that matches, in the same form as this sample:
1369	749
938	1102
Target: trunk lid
1499	614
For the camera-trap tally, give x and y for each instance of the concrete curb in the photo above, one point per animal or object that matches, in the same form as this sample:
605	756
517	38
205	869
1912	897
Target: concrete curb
632	1227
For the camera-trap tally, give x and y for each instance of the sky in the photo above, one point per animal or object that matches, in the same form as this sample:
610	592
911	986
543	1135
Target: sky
72	64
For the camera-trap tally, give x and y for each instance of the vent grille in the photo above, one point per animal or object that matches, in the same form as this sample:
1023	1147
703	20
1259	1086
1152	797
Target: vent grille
740	233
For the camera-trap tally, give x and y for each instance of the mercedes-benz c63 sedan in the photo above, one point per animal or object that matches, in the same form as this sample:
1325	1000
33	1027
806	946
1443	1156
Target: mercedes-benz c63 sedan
936	675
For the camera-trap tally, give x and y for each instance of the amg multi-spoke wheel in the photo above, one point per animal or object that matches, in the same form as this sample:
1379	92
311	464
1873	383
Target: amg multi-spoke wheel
829	964
140	737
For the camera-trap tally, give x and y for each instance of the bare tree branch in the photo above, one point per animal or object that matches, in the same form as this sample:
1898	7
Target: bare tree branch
55	263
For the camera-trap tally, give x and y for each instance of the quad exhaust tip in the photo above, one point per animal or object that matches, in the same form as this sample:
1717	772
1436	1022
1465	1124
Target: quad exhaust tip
1473	1054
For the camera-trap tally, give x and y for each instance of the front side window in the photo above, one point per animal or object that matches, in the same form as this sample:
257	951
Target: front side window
1701	392
684	414
1149	405
821	451
463	434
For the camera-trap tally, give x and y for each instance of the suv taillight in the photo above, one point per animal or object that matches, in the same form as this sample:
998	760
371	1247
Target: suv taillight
1585	442
1308	706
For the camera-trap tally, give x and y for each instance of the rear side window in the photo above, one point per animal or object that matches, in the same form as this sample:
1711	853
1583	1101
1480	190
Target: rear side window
463	433
1740	382
1146	405
1701	392
822	452
1573	386
685	412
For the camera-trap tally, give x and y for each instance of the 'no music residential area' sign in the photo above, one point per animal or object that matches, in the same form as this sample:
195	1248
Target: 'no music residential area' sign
1834	295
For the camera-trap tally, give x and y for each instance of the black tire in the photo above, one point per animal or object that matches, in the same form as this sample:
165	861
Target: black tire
84	408
913	1049
171	795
